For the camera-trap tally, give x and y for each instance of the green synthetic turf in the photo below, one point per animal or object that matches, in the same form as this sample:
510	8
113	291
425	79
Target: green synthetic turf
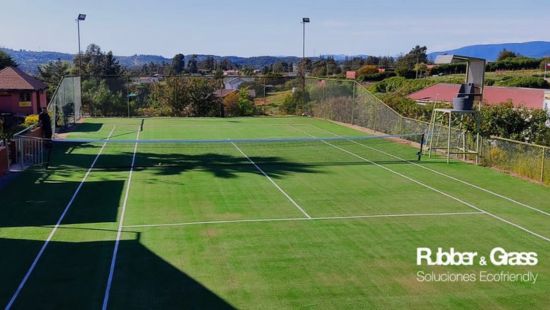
288	262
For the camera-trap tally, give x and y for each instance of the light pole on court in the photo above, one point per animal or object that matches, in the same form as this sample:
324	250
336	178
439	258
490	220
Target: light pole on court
305	20
81	17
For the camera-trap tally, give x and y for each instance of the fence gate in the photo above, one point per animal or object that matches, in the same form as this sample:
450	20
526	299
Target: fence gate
29	151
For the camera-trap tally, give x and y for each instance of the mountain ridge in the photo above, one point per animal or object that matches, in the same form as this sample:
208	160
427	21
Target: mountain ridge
29	60
535	49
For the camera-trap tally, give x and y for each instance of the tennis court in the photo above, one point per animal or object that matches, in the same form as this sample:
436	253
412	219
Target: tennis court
259	212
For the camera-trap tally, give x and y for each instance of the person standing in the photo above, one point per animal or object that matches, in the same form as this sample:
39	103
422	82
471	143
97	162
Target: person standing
45	122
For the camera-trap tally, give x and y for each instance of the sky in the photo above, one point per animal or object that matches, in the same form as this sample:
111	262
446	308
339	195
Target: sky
270	27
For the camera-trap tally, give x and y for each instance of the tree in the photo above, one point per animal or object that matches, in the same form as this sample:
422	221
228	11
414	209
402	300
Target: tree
405	64
192	64
386	62
208	64
372	60
504	54
231	104
110	65
295	103
420	69
6	60
226	64
202	100
367	69
104	87
178	64
101	100
246	106
52	73
94	62
170	97
247	71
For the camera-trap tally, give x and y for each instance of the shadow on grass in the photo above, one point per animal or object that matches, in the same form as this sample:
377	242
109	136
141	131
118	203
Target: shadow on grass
220	160
32	201
73	275
86	127
172	160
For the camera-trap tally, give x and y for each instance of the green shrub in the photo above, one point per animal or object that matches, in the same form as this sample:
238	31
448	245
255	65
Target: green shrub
376	76
400	85
31	120
514	63
295	103
522	81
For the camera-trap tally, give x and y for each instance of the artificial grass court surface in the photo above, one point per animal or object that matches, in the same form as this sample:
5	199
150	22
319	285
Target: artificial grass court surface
337	226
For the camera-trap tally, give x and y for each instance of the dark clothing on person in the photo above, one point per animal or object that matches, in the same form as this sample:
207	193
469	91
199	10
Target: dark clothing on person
45	124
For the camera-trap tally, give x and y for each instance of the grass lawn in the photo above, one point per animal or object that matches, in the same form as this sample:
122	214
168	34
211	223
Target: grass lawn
270	225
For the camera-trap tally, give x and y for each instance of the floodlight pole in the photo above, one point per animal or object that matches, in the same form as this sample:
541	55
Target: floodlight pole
79	51
305	20
303	41
81	17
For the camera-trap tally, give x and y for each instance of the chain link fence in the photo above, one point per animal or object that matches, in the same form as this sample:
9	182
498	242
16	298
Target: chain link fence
527	160
66	103
350	102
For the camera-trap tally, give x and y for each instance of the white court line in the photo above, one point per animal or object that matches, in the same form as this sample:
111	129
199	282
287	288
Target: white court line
57	224
445	175
290	219
120	225
436	190
273	182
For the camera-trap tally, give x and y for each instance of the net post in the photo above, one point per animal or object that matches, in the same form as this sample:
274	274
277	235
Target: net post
421	148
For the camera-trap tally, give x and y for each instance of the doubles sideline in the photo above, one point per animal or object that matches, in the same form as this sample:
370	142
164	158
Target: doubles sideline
435	190
57	224
119	231
442	174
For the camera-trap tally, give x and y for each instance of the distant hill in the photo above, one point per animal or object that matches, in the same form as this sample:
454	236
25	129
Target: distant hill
342	57
140	60
536	49
29	60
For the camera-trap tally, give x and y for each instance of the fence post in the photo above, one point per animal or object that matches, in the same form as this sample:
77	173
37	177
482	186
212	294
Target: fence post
542	165
353	102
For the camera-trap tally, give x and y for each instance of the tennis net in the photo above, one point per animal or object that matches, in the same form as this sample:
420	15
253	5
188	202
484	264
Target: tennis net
197	153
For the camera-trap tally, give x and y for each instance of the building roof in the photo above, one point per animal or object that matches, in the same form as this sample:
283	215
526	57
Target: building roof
532	98
223	92
14	79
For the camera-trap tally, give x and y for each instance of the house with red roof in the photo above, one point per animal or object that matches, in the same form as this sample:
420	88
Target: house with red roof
532	98
20	93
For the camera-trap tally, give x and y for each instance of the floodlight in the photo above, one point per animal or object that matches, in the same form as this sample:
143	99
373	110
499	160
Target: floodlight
81	16
305	20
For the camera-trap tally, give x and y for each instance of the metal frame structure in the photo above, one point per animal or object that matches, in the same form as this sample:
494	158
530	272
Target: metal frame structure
475	74
450	150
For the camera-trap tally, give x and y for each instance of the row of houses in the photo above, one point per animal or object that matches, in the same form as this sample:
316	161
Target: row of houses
22	94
